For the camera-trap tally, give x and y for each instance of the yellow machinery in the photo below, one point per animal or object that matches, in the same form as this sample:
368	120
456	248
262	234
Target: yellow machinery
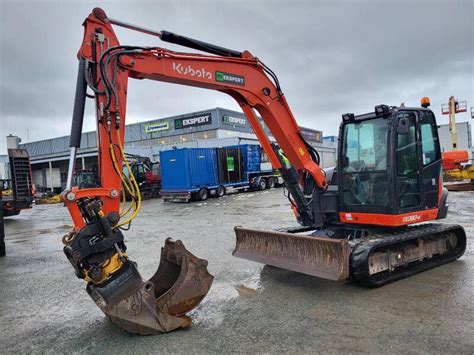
454	173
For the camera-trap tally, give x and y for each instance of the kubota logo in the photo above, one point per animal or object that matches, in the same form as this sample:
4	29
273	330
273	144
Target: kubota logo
190	71
412	218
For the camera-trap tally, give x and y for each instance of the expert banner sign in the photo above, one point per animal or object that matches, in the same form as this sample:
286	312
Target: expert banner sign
193	121
234	121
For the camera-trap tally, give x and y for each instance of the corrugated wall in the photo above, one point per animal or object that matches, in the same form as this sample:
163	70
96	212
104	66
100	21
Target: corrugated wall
463	133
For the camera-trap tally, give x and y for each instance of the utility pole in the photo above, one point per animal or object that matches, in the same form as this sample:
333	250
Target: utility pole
451	108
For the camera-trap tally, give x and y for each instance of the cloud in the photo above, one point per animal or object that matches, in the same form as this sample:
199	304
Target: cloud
331	57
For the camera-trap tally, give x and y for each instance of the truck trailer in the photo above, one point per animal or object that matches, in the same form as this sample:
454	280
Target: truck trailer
197	173
17	192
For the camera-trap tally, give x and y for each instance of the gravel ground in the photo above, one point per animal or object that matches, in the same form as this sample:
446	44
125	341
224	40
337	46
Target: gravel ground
250	308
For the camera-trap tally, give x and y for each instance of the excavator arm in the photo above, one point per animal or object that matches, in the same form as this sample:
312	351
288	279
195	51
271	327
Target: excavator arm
96	246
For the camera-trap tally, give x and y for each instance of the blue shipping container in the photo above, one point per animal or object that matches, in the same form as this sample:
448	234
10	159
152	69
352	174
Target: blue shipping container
188	169
330	139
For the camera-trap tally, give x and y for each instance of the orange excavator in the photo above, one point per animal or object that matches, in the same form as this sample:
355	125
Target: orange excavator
354	218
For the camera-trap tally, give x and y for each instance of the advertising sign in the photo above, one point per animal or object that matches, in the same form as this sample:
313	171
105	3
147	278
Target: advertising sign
238	121
196	120
157	126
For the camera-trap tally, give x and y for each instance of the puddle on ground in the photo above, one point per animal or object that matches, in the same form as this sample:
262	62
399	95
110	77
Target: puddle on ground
21	241
65	226
43	231
212	311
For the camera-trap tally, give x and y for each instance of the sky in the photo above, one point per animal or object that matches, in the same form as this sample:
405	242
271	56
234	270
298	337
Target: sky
331	57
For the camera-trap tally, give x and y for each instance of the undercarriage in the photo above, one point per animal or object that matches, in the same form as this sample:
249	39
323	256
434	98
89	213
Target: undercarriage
372	257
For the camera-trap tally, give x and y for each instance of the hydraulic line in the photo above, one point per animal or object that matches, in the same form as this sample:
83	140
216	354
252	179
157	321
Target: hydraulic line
137	189
130	186
103	67
131	189
88	80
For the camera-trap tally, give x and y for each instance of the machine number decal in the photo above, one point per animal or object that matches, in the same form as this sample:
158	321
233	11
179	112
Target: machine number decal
412	218
230	78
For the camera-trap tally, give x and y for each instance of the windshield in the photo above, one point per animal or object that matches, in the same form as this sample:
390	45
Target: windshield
364	163
365	147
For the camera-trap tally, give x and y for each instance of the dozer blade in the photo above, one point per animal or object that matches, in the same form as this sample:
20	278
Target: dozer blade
160	304
321	257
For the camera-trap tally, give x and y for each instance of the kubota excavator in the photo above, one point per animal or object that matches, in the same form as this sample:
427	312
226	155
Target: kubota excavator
355	218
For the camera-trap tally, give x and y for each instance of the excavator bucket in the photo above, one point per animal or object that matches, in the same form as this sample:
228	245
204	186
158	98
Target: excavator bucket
160	304
322	257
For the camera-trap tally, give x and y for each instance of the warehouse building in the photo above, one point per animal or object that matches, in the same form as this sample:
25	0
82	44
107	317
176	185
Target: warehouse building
464	135
216	127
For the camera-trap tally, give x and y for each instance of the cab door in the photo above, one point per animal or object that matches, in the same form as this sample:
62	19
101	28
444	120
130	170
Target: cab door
408	192
430	164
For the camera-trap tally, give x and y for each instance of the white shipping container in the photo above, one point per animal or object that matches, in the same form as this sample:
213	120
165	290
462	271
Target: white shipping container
328	159
463	135
37	176
56	178
4	171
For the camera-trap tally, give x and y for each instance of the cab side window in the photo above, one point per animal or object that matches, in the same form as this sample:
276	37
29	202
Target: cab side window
407	159
429	139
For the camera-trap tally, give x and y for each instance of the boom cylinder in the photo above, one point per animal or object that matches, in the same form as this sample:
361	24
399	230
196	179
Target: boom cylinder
77	119
79	105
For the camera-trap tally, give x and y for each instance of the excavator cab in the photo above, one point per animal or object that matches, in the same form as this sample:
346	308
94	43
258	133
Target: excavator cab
390	164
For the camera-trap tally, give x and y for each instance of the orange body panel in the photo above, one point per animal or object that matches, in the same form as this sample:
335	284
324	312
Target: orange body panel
452	159
388	220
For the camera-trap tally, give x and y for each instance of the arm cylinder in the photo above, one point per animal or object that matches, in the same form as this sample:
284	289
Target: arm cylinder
199	45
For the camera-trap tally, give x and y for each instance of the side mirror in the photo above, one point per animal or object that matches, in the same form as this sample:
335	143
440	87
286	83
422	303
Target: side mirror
403	126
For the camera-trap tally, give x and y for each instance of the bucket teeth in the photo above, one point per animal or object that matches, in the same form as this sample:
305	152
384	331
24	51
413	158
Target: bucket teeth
160	304
322	257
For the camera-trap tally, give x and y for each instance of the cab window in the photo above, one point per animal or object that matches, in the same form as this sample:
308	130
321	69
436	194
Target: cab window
429	139
407	159
365	146
364	163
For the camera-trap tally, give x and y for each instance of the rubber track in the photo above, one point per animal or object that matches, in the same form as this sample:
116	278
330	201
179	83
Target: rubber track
362	251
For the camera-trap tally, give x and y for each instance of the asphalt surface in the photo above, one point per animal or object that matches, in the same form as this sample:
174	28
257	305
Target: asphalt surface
250	308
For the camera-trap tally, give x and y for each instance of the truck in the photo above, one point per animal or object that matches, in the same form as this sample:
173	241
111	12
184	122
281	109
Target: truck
146	173
197	173
17	190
